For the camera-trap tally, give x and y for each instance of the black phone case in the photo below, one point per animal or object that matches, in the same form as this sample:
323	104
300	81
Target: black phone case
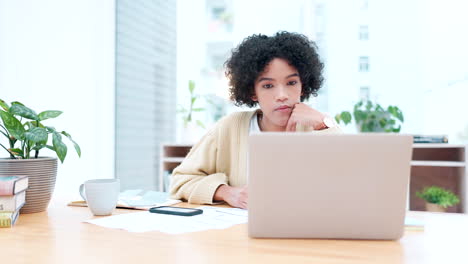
160	210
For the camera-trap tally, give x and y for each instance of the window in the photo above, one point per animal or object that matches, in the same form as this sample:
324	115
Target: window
364	32
145	89
363	64
364	92
364	4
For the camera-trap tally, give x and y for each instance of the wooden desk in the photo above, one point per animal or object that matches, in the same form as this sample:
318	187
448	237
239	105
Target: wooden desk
60	236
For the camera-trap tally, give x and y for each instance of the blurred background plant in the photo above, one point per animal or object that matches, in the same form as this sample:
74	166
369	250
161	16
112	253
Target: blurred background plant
439	196
217	106
372	117
187	112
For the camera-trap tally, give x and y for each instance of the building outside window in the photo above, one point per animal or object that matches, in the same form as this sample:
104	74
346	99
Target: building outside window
364	32
364	93
364	64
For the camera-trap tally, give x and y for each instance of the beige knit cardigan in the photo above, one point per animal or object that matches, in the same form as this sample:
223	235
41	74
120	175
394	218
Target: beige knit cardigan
220	157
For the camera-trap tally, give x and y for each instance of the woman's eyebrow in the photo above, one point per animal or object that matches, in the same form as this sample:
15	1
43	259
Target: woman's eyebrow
271	79
292	75
265	79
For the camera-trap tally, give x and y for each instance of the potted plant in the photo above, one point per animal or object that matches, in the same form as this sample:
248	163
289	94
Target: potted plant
372	117
190	125
26	135
437	198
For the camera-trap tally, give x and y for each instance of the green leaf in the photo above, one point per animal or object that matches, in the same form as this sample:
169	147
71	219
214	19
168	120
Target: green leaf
360	116
29	124
200	124
49	114
59	147
16	102
383	122
23	111
16	152
77	147
4	105
13	125
338	118
193	100
346	117
399	114
182	110
438	195
198	109
37	134
38	147
369	105
50	129
50	147
191	85
358	104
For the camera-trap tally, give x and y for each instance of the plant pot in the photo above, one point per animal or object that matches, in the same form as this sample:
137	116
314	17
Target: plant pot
432	207
42	173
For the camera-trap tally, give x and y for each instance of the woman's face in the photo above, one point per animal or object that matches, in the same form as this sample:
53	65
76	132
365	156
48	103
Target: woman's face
277	89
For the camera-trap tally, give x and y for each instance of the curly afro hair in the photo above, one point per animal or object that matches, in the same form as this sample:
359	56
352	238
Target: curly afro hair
249	59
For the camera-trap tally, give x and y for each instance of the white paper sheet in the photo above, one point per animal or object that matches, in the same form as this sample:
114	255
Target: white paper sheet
212	218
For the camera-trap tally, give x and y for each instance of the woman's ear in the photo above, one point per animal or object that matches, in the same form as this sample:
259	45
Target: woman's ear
254	98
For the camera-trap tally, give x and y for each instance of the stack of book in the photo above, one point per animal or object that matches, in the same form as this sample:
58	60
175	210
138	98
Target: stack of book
12	198
430	139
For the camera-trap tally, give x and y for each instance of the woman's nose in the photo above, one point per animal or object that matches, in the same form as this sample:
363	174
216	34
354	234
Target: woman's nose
281	94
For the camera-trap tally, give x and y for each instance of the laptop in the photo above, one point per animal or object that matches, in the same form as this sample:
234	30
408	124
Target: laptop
328	186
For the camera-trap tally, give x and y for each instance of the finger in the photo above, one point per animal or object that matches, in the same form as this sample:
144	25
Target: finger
291	125
244	205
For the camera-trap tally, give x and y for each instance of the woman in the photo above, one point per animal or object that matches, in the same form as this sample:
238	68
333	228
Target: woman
277	73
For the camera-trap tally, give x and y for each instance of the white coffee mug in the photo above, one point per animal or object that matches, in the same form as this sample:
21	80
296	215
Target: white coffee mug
101	195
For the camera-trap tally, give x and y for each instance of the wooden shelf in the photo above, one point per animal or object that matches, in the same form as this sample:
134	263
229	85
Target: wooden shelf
430	163
442	165
437	145
171	157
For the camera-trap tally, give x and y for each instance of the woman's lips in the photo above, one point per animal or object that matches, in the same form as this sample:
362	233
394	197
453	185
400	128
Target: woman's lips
283	108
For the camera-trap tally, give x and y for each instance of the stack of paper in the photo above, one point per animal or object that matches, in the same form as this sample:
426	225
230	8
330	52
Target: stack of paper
138	199
212	218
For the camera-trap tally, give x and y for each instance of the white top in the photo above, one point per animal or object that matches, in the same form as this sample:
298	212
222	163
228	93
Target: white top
254	124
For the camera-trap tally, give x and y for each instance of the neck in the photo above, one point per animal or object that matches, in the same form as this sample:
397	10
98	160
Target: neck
267	126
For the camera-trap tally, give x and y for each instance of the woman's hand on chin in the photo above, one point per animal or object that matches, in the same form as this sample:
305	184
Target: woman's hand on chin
306	116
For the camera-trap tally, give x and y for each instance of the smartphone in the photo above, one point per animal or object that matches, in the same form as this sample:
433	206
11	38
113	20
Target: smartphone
175	210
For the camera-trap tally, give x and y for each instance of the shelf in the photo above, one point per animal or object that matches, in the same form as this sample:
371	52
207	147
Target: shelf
437	145
176	145
173	159
426	163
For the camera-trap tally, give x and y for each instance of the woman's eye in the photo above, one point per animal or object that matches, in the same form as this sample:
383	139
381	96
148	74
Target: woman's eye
268	86
292	83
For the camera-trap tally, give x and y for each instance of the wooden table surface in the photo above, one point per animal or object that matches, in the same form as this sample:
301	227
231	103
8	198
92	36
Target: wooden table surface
60	236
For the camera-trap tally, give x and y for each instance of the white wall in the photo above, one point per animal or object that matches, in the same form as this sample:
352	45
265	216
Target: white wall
446	83
194	39
59	55
416	48
394	52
